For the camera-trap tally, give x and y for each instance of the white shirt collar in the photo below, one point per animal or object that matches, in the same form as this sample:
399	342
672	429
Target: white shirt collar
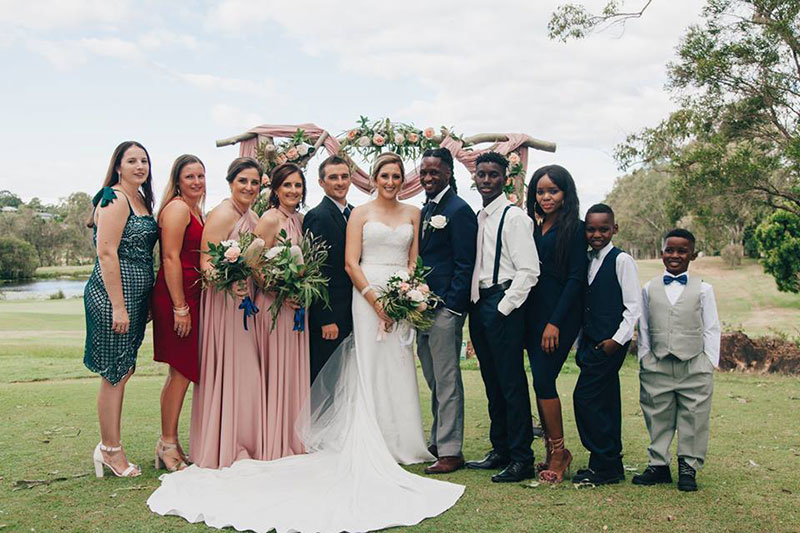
341	207
497	203
438	197
603	251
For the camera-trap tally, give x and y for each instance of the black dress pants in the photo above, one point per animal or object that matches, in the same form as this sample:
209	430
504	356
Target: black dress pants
598	408
498	342
322	349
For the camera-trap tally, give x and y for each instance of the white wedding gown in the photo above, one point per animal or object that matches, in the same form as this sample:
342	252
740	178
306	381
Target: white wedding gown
363	419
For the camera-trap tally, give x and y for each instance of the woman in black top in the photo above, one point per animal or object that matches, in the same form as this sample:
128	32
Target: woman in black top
553	309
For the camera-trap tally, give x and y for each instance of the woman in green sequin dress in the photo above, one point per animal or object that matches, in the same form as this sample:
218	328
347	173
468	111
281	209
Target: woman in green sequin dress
117	293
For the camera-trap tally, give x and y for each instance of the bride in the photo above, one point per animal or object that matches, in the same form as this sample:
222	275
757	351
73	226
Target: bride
363	417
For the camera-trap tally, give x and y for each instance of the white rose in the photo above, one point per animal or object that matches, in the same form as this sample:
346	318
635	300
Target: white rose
438	221
228	244
398	138
302	149
402	274
273	252
364	141
297	252
415	296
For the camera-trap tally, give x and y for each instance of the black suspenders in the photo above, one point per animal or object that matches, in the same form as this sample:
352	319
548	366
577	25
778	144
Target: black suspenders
499	247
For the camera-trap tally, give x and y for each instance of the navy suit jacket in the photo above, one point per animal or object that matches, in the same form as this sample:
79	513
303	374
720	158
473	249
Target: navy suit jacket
450	251
326	221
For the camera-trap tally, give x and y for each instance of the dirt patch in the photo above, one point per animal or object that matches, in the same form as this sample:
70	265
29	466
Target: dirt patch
762	354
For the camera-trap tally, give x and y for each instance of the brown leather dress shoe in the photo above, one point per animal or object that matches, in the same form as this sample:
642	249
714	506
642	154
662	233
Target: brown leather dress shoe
445	465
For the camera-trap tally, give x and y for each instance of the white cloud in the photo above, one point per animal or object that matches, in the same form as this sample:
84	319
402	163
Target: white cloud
163	38
57	14
234	118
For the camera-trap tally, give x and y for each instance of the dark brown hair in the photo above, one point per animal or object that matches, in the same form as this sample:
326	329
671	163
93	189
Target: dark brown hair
331	160
242	163
278	176
112	175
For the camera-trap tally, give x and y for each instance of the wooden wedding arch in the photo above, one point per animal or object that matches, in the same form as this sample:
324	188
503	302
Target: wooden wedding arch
300	142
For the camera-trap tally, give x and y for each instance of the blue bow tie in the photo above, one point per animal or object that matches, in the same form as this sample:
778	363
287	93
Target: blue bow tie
682	279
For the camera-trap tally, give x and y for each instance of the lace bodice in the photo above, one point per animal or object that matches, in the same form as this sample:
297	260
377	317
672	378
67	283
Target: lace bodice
382	245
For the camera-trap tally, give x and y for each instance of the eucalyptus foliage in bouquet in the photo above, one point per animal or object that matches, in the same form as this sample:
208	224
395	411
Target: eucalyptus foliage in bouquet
233	262
294	272
408	298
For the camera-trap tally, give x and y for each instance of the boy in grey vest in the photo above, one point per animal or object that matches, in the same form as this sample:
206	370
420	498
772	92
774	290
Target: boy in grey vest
679	338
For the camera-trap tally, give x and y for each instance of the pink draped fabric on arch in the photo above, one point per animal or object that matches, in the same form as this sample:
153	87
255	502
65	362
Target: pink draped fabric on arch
360	179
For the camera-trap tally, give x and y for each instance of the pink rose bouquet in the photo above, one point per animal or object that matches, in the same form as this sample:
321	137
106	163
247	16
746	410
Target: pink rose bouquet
408	298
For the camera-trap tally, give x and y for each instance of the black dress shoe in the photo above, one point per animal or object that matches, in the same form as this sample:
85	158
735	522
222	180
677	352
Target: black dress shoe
492	461
606	477
653	475
686	477
433	450
514	472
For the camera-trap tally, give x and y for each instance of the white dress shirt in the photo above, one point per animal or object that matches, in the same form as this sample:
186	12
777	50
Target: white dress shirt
519	260
708	310
438	197
340	205
628	277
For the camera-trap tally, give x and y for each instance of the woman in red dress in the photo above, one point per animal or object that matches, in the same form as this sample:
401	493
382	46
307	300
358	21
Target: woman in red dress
176	298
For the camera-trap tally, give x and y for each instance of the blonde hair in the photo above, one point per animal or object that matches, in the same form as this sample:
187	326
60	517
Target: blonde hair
173	185
384	159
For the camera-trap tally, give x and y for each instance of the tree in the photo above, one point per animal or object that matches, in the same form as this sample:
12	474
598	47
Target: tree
17	259
737	82
779	240
574	21
9	199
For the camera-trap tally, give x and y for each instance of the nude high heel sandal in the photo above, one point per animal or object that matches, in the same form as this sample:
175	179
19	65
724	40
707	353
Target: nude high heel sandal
99	462
165	450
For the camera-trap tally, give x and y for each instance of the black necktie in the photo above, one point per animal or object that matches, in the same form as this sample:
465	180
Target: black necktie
346	212
431	209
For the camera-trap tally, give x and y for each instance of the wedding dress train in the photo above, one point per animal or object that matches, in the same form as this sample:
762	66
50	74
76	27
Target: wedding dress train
363	418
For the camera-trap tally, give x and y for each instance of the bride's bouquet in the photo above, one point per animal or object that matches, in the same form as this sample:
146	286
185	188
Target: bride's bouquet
408	298
294	272
233	262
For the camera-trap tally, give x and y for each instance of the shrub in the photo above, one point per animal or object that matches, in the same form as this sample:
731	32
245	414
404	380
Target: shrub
59	295
732	254
18	259
778	239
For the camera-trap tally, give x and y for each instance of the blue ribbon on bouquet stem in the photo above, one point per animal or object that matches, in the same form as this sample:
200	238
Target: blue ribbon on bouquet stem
249	309
299	319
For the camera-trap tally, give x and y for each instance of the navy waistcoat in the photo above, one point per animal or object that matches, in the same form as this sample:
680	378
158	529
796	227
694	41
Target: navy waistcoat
604	306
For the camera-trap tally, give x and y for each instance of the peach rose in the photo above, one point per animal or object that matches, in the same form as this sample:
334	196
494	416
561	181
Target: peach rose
413	137
512	198
422	306
378	139
363	141
513	159
232	254
398	138
424	289
428	133
281	159
352	134
291	154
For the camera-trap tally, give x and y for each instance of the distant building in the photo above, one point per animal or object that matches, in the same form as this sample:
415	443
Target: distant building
9	209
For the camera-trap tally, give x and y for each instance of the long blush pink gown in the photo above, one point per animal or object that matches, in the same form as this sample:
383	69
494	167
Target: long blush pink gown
228	414
286	371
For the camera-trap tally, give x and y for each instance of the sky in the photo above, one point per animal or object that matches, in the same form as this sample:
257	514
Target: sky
79	77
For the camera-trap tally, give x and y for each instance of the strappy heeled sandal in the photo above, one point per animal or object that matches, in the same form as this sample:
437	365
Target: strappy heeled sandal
163	450
132	470
560	461
544	465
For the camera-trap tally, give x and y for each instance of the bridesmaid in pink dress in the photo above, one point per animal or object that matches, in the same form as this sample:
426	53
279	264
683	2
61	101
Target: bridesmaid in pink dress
228	416
284	350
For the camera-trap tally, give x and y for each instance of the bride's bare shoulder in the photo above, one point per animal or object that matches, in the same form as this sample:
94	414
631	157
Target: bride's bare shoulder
412	211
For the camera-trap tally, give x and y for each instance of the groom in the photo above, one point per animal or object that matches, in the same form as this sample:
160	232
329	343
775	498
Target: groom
447	244
329	326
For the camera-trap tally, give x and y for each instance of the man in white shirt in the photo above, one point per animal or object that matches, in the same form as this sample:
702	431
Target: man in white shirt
679	340
506	268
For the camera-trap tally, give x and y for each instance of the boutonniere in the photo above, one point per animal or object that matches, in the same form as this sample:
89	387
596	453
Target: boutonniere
436	222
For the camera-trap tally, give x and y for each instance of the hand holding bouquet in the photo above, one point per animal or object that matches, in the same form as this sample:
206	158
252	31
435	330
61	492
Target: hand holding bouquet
294	273
232	263
408	298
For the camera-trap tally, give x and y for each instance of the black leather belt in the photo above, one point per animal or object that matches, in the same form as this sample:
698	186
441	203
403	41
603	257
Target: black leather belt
494	289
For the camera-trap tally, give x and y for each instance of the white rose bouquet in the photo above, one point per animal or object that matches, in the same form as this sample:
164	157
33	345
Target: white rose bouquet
294	272
232	263
408	298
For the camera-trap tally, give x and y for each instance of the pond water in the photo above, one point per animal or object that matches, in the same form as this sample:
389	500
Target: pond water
42	289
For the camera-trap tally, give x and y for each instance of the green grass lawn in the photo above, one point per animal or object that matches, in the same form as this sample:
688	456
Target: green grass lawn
49	428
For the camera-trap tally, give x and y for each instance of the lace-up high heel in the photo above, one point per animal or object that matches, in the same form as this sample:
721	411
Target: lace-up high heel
131	471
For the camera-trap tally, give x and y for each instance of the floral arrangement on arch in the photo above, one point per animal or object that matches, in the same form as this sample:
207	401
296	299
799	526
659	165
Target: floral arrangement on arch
514	187
370	138
298	149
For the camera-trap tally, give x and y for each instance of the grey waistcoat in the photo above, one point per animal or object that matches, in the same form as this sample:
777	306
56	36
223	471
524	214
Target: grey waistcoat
675	329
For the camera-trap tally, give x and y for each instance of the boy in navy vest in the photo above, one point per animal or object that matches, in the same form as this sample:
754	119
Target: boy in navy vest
679	337
612	307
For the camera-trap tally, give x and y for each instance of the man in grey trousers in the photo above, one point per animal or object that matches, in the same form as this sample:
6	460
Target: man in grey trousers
447	242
